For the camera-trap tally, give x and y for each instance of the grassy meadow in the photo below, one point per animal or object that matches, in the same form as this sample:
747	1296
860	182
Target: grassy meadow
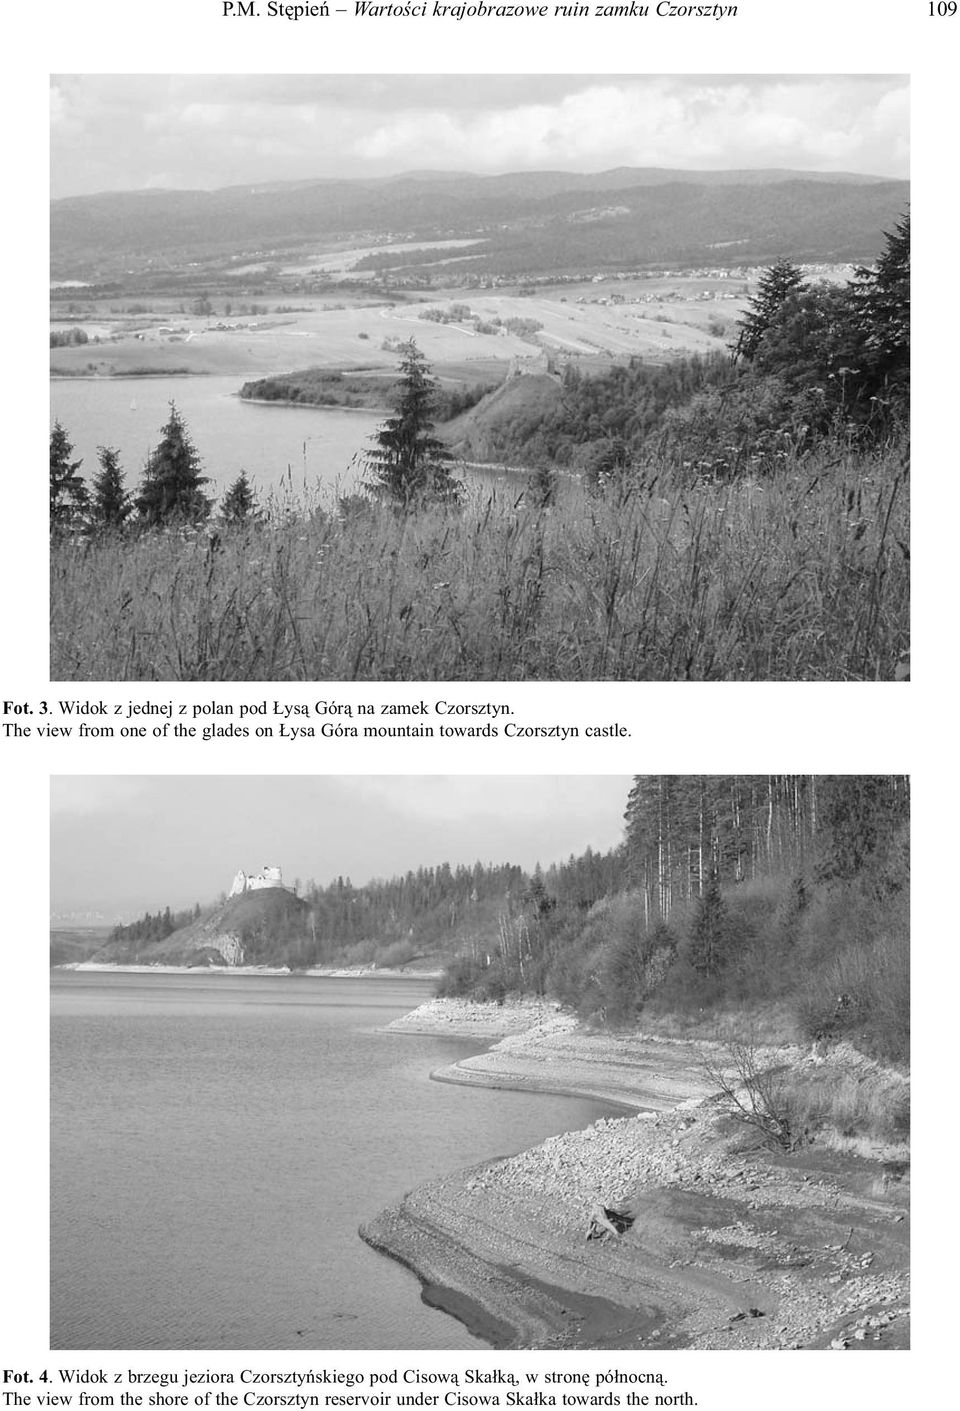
803	575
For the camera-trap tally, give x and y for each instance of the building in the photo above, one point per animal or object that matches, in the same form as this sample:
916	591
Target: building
269	877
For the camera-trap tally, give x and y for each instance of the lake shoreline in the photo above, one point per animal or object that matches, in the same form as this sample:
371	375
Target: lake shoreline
730	1245
303	451
312	406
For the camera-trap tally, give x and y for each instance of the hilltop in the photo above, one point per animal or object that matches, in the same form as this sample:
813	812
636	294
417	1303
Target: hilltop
516	223
243	930
504	418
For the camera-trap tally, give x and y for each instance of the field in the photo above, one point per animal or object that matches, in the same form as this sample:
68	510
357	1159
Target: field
655	319
802	577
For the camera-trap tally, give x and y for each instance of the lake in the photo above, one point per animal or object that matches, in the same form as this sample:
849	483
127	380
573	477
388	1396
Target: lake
318	445
216	1141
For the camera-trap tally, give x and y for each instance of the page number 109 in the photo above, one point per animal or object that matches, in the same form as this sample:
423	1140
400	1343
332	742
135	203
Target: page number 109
943	8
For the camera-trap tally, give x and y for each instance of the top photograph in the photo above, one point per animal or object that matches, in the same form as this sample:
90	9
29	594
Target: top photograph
479	378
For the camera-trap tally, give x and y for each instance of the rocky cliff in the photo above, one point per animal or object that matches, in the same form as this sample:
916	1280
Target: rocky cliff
257	928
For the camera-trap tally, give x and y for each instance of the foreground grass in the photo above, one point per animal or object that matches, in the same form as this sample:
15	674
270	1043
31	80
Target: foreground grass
802	577
848	1097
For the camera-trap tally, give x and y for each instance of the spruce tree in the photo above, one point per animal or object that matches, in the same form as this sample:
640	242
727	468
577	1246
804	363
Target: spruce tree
170	490
881	307
408	465
69	496
537	896
240	502
710	934
111	504
776	286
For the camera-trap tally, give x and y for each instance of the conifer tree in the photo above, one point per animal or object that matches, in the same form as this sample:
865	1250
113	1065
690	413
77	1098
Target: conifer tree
776	286
240	501
408	465
709	936
111	504
69	496
537	896
881	306
170	490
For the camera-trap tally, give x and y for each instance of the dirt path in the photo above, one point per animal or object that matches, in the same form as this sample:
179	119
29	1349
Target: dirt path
731	1246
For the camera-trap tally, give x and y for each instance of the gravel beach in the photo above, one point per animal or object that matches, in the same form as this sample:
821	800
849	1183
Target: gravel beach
731	1245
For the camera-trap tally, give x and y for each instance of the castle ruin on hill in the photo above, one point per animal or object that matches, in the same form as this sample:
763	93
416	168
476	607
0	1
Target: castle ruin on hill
270	877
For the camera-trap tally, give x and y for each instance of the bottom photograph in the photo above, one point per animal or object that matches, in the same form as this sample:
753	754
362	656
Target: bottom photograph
440	1062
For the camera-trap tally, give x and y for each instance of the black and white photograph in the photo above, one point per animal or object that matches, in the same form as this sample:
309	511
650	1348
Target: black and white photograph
440	1062
516	377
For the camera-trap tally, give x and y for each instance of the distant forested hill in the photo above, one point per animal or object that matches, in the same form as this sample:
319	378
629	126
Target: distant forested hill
786	891
524	221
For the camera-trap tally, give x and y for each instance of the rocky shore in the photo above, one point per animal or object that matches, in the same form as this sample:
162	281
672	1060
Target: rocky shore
730	1245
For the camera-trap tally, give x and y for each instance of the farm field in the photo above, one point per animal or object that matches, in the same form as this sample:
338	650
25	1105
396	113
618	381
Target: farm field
585	323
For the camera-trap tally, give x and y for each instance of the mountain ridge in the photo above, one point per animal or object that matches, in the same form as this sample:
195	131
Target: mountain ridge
606	176
654	215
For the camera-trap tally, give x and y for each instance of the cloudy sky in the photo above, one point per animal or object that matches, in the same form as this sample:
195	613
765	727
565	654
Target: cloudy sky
123	844
113	132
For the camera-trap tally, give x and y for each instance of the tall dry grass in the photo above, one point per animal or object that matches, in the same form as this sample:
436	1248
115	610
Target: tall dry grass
802	577
847	1095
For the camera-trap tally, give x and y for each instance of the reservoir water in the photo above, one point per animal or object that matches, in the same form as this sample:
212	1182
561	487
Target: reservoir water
317	445
216	1141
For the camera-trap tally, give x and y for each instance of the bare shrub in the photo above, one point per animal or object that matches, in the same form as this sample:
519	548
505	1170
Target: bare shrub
398	953
574	976
628	955
752	1091
460	977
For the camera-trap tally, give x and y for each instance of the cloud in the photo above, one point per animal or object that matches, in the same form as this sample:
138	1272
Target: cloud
123	843
109	131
